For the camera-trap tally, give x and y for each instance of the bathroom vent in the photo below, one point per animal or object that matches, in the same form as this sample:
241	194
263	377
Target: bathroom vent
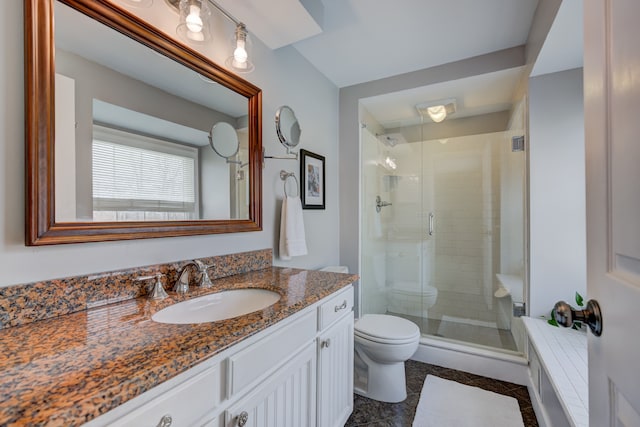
517	143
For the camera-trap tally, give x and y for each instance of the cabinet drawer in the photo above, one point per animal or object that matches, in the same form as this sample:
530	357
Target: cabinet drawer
186	404
335	308
258	360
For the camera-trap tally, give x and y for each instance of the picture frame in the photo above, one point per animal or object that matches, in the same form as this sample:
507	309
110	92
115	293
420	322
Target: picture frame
312	183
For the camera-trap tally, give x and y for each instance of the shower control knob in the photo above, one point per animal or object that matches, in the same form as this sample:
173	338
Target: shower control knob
565	316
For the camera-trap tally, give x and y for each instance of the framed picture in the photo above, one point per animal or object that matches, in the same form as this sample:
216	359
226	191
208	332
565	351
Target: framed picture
312	185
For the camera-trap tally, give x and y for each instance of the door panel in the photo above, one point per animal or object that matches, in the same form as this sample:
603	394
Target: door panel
612	106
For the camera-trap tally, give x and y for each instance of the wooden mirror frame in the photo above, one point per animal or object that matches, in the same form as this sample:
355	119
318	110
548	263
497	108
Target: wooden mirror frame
41	227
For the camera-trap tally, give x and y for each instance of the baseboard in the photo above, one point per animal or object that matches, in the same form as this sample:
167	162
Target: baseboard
508	367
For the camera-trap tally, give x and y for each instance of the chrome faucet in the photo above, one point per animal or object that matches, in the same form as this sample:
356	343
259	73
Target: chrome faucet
182	285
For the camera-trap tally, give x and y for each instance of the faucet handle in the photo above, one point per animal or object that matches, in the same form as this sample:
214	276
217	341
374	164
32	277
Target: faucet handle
205	281
157	292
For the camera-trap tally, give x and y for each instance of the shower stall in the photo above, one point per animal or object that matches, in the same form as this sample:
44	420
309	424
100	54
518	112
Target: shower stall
442	232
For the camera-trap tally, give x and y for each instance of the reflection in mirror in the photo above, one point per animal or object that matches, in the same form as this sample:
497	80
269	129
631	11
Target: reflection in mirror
288	128
224	140
131	135
117	122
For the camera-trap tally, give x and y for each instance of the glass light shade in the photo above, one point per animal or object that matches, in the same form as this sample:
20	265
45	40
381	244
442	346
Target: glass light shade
194	21
138	3
241	44
437	113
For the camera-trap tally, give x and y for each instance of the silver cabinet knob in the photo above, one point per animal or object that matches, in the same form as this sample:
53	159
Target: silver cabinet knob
565	315
326	343
165	421
242	418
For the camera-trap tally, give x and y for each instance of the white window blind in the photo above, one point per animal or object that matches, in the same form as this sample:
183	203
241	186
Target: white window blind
142	174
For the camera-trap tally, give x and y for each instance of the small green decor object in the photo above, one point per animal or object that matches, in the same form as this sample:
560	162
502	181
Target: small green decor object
576	325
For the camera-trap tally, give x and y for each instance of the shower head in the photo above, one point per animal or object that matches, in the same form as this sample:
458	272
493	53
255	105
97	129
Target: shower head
392	139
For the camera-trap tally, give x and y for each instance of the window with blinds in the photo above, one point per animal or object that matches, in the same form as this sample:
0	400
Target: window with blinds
137	178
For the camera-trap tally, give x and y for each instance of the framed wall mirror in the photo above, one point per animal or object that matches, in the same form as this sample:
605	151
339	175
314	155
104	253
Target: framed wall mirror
117	122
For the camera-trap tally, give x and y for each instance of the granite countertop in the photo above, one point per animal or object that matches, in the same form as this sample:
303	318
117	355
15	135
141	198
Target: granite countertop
73	368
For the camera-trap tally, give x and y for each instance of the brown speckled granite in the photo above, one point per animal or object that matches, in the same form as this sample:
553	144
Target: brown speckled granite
70	369
22	304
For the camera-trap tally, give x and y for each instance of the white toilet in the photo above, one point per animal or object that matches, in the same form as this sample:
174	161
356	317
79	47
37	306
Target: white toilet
382	344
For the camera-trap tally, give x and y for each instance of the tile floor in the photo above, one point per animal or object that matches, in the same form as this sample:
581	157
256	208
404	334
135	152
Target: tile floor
370	413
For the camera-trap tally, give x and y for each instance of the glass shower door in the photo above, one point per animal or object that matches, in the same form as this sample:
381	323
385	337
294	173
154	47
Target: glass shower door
435	215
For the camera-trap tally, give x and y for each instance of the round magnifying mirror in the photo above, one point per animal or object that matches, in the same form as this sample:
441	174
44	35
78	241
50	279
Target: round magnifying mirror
287	127
223	138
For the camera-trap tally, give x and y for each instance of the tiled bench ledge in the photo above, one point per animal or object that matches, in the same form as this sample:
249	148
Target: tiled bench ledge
558	364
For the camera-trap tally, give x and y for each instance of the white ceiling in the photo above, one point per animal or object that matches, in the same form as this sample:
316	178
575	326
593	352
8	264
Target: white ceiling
363	40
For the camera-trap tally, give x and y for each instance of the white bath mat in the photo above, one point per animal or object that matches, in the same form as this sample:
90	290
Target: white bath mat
445	403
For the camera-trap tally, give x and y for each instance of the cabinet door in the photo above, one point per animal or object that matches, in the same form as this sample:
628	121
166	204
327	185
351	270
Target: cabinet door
335	373
285	399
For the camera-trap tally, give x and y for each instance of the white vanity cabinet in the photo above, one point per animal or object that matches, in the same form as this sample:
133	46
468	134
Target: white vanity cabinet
296	373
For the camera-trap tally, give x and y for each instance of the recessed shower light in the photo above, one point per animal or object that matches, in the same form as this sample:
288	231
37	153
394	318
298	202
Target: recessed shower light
437	111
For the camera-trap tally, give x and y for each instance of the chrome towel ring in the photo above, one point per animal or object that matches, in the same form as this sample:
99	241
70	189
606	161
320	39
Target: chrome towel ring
284	175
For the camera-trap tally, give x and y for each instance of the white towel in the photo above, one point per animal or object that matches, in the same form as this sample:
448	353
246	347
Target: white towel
292	238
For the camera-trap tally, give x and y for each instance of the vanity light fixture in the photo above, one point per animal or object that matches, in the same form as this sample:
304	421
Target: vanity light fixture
194	20
239	60
194	28
437	110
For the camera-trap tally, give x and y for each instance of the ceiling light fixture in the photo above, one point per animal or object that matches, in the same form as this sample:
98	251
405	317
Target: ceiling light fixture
194	28
437	110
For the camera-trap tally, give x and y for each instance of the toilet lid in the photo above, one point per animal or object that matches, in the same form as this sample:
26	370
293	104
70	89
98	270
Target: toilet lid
382	327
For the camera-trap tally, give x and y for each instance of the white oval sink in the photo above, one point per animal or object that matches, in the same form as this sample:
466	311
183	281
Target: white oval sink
219	306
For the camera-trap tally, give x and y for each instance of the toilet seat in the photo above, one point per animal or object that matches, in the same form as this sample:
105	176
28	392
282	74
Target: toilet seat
385	329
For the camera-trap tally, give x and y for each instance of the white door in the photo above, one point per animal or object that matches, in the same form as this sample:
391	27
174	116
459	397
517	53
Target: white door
335	374
612	117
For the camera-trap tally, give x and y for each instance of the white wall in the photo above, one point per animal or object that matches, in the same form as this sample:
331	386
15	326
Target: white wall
285	78
557	190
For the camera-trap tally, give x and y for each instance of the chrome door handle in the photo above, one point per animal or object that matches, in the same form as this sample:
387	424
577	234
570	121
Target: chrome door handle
565	315
431	221
341	306
380	204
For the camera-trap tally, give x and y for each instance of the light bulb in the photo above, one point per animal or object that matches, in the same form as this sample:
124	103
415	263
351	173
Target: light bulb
240	54
193	20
